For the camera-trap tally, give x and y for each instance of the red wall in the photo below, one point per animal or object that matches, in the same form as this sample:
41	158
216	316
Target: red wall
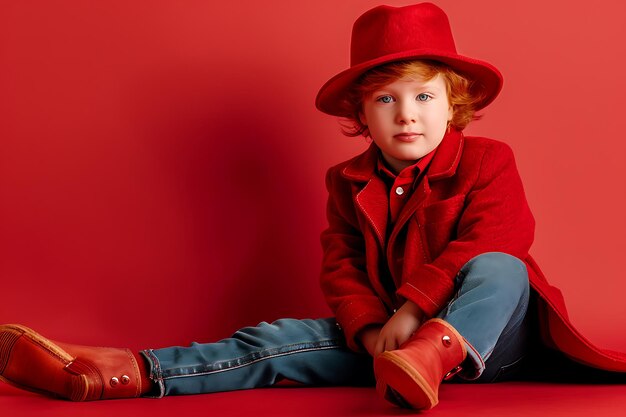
162	163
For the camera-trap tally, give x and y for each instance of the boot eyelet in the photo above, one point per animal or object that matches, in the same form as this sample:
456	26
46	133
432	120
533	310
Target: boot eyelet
125	379
114	381
446	341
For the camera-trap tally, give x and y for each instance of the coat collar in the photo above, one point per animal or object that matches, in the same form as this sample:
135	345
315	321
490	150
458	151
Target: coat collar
444	163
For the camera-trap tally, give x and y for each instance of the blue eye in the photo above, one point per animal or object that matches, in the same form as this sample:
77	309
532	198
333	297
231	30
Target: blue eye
423	97
385	99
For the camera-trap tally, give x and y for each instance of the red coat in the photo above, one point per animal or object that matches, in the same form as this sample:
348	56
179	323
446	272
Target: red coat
470	201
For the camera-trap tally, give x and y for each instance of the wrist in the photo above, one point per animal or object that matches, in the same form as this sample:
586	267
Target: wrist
367	330
367	336
414	309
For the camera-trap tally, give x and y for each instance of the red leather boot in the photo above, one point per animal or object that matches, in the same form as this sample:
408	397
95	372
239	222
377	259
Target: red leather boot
79	373
410	376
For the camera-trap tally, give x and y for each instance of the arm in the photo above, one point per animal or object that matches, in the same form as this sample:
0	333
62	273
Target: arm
495	218
344	279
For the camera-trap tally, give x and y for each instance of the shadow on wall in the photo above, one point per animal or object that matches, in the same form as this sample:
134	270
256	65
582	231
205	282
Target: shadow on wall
232	158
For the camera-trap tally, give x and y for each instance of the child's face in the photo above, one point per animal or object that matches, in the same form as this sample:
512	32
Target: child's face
407	119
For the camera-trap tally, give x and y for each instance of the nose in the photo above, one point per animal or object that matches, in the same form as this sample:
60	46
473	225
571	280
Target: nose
407	113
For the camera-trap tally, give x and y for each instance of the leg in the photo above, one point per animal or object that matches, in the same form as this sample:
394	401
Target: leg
306	351
311	352
488	310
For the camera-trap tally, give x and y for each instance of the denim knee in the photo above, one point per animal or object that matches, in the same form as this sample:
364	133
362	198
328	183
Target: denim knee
504	275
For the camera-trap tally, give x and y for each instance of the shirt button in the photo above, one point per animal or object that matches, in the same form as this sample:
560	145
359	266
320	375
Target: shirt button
399	190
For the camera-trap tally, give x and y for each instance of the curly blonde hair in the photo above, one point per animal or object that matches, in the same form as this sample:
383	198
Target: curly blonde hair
463	93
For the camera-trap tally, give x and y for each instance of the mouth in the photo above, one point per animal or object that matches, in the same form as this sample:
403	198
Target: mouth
407	136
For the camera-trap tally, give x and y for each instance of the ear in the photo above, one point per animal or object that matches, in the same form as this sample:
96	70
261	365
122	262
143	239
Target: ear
450	113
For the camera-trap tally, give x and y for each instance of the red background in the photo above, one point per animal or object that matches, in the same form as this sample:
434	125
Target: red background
162	163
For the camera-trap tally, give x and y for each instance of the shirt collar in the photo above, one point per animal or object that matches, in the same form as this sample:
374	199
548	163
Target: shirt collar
412	171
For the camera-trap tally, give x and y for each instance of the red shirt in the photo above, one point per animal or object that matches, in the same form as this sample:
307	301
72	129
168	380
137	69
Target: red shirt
401	186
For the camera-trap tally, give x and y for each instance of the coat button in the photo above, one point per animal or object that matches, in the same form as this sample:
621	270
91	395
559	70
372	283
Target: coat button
399	190
125	379
114	381
446	340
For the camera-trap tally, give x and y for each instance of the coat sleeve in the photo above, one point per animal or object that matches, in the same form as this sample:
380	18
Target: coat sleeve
344	279
495	218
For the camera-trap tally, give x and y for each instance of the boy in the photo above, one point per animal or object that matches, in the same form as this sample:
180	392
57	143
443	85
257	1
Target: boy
426	263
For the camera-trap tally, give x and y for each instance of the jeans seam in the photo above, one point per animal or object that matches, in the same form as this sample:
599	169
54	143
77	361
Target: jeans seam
256	357
509	365
156	372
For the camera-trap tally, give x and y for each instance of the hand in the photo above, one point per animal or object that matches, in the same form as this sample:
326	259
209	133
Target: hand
399	328
369	337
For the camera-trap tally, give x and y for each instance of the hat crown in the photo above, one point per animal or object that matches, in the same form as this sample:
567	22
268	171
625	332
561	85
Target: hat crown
386	30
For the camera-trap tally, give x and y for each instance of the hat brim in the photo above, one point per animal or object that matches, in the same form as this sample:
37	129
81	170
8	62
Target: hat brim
331	94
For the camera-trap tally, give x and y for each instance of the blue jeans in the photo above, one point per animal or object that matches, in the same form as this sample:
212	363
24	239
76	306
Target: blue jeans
487	309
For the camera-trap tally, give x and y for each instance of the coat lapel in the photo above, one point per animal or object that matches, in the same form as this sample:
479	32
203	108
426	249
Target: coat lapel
373	204
447	156
371	199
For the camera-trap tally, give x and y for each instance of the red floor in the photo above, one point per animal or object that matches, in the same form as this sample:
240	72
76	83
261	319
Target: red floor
504	399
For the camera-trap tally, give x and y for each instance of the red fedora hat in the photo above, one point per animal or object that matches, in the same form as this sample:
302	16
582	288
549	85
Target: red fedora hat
386	34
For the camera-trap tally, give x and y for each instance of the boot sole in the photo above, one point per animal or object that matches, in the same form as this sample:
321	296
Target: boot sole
402	378
9	336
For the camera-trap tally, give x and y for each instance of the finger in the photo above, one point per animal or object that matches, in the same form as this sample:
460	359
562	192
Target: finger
392	344
380	346
387	344
402	338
